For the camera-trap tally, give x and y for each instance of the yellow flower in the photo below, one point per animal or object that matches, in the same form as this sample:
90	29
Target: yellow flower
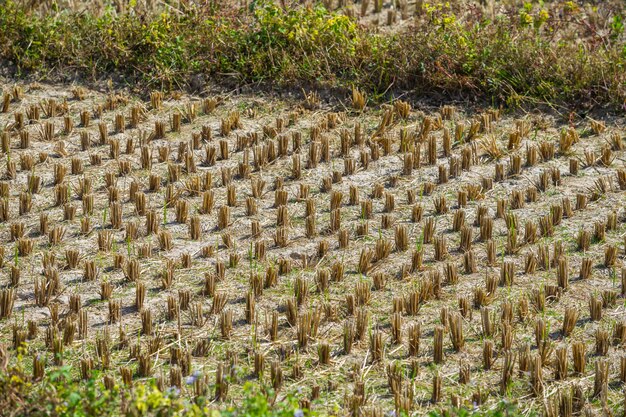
526	18
570	6
142	407
448	19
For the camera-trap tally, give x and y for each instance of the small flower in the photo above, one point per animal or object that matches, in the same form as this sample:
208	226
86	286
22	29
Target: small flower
298	413
173	391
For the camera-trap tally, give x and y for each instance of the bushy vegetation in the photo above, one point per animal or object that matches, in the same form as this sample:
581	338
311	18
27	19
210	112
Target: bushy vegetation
569	53
59	395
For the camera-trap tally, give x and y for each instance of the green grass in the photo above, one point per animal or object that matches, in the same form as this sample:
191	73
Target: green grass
530	54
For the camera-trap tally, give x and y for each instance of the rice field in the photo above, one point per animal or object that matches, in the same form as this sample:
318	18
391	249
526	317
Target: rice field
395	218
370	258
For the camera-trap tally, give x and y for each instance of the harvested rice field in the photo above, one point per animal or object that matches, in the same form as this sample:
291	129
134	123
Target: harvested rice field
255	251
371	258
